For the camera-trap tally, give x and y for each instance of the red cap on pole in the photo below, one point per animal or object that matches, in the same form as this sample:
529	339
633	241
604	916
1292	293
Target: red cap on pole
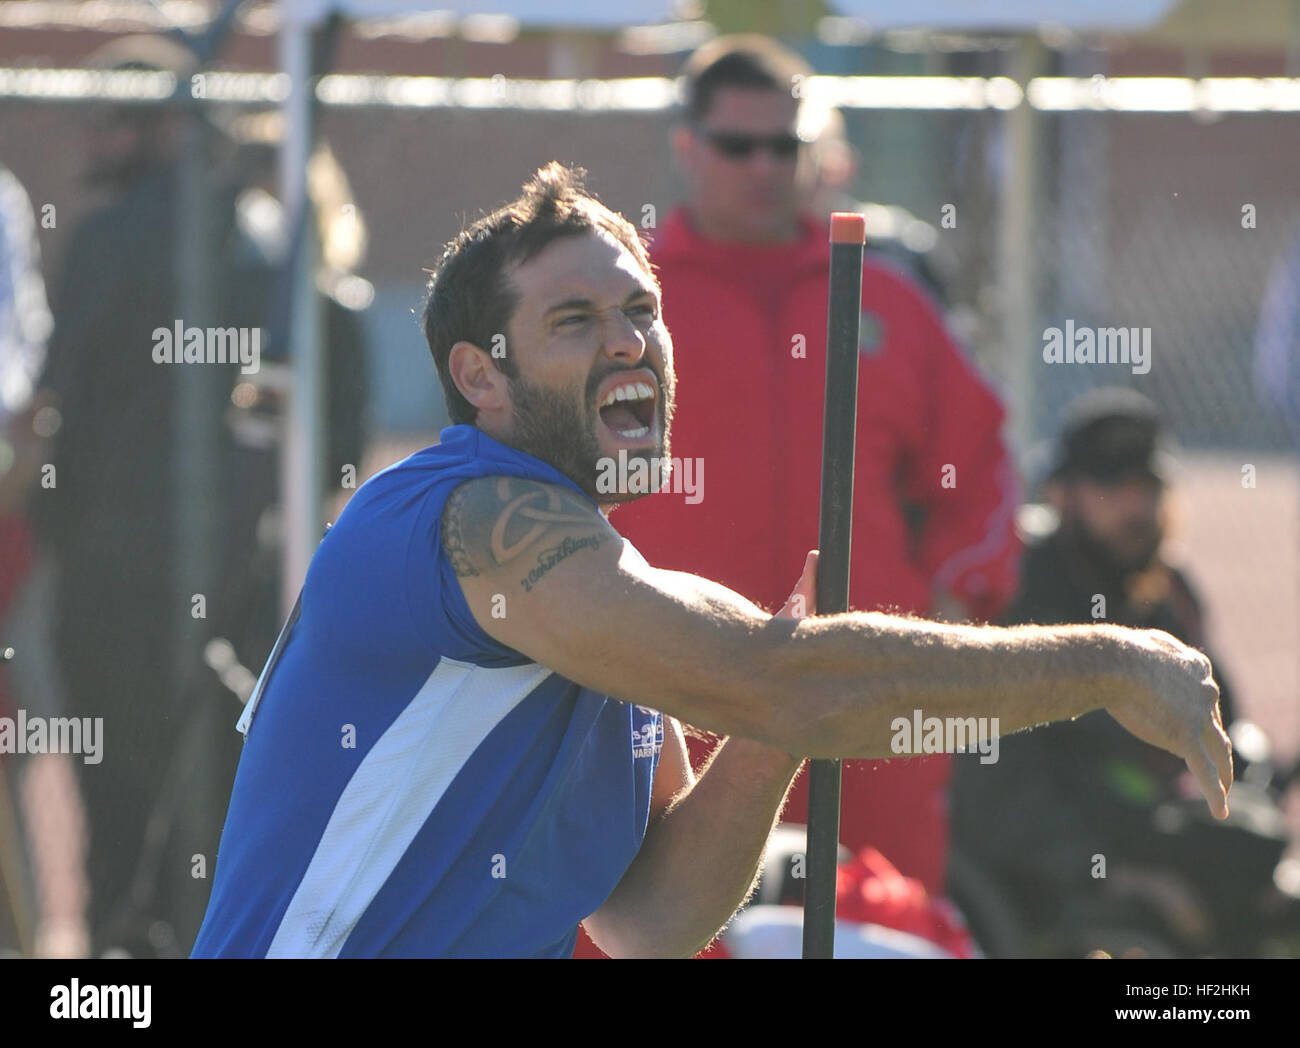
847	227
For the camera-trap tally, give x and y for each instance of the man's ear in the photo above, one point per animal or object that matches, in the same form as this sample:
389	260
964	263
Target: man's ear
479	380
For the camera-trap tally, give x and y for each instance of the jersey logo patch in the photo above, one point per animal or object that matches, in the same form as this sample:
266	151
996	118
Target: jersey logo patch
648	739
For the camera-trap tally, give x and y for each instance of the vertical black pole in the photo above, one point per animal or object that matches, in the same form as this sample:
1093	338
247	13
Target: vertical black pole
844	310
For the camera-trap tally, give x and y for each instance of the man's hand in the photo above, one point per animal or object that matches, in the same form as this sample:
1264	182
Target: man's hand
1175	705
802	601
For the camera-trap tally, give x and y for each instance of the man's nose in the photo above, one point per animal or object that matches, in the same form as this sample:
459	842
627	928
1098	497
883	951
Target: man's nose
622	338
765	163
1136	499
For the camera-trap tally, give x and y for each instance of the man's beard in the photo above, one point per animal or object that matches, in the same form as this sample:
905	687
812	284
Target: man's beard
549	426
1112	563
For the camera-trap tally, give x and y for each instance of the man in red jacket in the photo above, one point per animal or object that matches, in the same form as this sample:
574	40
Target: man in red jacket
744	273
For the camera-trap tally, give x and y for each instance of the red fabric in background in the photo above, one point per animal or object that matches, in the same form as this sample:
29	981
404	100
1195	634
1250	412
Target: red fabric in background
870	890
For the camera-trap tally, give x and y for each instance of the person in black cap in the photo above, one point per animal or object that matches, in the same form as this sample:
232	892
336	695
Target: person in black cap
1076	811
1107	485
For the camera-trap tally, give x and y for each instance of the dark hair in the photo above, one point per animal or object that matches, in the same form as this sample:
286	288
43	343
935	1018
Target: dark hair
745	60
469	296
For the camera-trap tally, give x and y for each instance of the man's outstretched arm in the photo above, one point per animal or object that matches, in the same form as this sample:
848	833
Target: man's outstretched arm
581	601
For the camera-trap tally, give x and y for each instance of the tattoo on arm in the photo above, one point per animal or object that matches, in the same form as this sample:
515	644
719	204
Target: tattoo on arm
548	558
531	512
452	516
489	525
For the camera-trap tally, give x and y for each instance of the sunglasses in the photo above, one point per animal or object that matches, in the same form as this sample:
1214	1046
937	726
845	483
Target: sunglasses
738	146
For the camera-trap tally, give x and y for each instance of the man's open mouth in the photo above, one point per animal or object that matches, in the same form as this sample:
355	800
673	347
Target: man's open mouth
628	407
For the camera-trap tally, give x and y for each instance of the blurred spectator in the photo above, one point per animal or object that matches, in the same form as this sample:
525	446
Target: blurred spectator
1060	796
744	270
263	246
110	517
52	810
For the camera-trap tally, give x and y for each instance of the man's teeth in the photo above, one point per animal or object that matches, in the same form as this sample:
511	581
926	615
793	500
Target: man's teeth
640	431
631	391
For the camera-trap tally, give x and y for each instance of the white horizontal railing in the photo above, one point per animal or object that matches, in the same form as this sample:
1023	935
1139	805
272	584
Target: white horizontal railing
652	94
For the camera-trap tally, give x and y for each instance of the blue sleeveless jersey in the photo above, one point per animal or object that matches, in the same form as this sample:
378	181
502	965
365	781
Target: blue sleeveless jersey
408	785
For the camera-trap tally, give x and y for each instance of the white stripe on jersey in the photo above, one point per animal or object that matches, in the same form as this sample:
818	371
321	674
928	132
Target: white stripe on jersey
391	795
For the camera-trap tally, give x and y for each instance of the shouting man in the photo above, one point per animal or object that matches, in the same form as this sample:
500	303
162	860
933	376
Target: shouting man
470	740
